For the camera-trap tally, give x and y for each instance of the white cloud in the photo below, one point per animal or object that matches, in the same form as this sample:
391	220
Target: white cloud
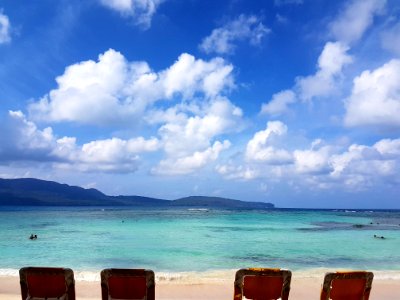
323	83
20	139
391	39
187	138
184	136
330	64
24	141
222	40
188	76
116	149
388	148
241	172
279	103
357	167
375	97
321	166
348	27
355	152
141	11
114	90
189	164
362	166
314	160
353	21
260	148
110	155
5	27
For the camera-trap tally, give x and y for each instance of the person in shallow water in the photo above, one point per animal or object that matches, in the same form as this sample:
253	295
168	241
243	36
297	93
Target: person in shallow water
379	237
33	237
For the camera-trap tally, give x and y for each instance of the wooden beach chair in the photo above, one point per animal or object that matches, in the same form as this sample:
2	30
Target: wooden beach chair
45	283
262	283
133	284
354	285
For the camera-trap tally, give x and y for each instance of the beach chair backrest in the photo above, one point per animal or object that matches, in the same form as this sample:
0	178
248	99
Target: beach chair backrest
347	286
262	283
47	283
132	284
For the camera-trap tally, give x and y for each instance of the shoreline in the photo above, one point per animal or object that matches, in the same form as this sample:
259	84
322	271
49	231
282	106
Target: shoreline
302	288
215	276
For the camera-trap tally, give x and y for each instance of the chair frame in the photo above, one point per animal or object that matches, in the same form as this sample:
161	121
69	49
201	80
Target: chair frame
330	277
148	274
269	272
66	272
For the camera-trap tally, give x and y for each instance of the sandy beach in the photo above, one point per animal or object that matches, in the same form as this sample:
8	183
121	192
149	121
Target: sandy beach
301	289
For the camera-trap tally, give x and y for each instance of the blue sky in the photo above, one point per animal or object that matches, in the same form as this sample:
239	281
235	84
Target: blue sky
295	102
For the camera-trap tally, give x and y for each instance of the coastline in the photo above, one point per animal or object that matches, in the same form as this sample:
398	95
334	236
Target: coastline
303	287
216	276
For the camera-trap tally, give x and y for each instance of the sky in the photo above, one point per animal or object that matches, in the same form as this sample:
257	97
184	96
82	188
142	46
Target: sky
294	102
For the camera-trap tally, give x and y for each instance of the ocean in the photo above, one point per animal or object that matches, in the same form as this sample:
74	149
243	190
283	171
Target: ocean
181	243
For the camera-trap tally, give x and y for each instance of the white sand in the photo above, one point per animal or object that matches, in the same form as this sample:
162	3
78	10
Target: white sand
301	289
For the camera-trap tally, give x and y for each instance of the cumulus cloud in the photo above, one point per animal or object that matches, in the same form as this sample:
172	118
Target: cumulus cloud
186	135
347	28
314	160
115	148
188	76
321	166
279	103
331	62
323	83
260	148
189	164
110	155
222	40
5	27
141	11
388	148
375	97
361	166
113	90
391	39
356	17
188	138
24	141
241	172
21	139
185	100
340	162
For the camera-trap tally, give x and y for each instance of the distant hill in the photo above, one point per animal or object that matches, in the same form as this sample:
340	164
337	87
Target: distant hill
30	191
218	202
36	192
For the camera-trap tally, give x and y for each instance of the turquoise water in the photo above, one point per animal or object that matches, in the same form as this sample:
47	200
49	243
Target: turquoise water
182	240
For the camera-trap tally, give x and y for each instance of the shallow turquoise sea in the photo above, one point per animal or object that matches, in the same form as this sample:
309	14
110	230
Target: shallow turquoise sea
187	240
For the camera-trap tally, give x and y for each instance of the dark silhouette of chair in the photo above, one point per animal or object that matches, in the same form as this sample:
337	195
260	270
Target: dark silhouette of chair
127	284
47	283
347	285
262	284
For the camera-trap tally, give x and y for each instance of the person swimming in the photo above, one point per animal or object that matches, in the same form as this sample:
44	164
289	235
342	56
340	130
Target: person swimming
379	237
33	237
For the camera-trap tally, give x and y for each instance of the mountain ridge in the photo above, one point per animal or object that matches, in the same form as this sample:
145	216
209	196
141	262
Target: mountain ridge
37	192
